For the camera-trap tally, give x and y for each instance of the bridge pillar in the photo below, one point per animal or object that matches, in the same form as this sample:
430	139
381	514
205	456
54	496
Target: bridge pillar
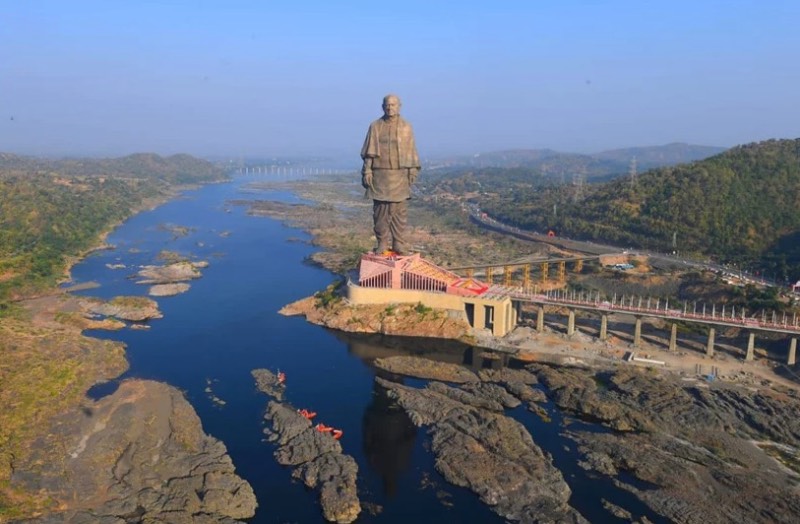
603	327
637	332
792	352
510	317
571	322
515	307
540	319
673	337
751	347
710	344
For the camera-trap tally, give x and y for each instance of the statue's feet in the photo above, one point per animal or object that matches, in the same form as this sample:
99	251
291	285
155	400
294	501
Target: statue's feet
381	250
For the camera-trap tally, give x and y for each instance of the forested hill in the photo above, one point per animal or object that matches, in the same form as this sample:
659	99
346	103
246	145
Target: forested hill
742	205
175	169
659	156
603	165
53	209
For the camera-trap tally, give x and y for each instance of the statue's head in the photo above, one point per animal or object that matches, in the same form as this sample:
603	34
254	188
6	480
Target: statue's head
391	106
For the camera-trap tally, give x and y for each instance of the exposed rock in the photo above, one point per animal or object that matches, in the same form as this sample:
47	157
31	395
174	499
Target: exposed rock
465	397
693	455
168	290
428	369
401	319
579	390
81	321
517	383
306	446
600	462
138	452
317	455
134	309
507	375
336	474
524	392
493	393
617	511
489	453
177	272
267	383
687	482
287	423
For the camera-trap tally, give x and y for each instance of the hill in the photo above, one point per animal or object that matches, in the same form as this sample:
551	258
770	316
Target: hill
603	165
175	169
659	156
740	206
53	209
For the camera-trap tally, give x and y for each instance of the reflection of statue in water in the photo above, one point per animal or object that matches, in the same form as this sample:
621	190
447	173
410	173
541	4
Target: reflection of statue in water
389	438
391	165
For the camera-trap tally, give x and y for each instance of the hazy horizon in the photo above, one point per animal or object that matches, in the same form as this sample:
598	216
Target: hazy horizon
88	78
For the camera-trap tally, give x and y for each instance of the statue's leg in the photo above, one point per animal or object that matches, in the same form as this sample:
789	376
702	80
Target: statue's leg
399	221
381	218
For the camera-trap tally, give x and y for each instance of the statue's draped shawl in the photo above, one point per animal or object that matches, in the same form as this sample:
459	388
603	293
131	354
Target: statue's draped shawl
407	148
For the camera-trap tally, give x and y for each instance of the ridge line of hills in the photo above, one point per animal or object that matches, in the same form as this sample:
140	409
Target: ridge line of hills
740	206
594	165
51	210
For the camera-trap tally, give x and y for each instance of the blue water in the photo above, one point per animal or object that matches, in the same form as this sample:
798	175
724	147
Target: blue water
227	325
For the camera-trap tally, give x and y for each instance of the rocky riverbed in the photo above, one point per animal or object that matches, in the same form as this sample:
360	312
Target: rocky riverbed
171	273
134	309
704	452
138	455
479	447
688	450
316	456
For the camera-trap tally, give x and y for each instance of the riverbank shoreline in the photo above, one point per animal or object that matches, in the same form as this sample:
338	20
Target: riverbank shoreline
342	249
50	431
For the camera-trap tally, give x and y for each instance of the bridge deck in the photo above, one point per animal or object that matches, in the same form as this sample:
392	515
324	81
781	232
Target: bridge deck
750	323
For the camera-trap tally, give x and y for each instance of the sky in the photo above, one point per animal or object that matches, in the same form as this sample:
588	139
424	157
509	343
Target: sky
294	77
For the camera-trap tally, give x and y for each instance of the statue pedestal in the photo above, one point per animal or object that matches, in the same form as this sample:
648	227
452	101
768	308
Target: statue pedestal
413	272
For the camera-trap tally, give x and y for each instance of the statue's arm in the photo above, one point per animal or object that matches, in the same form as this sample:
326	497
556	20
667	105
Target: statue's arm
413	173
366	172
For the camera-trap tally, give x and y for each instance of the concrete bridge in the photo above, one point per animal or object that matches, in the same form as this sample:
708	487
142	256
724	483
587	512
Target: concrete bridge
640	307
523	272
391	278
289	171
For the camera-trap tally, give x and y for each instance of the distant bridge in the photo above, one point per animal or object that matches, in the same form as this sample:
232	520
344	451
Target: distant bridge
289	171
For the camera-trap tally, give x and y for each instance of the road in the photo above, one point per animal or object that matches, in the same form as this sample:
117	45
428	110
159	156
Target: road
657	260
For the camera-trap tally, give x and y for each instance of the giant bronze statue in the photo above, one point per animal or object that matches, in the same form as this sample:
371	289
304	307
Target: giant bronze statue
391	165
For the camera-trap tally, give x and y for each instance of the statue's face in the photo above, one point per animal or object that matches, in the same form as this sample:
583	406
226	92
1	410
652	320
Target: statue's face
391	107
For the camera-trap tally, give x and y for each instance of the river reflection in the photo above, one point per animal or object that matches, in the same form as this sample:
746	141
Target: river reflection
389	437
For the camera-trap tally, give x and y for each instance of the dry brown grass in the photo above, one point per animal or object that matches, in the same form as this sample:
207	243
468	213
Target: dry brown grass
43	372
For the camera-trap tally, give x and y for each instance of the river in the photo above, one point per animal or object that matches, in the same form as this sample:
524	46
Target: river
227	324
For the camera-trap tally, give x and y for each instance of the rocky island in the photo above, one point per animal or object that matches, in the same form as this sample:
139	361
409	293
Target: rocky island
316	455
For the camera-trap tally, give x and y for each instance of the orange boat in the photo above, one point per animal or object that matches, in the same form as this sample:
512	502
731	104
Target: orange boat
322	428
307	414
337	433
